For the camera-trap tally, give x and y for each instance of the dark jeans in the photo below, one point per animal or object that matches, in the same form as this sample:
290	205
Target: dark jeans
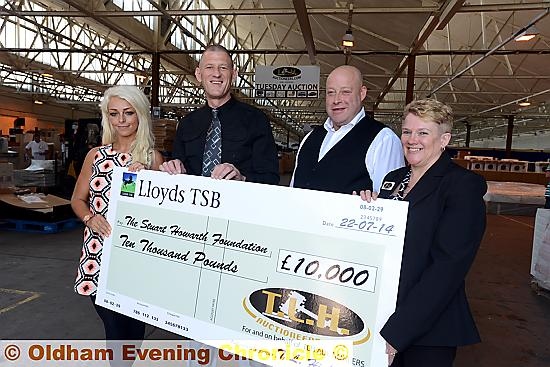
423	356
547	204
119	326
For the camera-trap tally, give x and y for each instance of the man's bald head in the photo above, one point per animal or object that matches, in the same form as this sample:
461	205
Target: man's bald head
344	95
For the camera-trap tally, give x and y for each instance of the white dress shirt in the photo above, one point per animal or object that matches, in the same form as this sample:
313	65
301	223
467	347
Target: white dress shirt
384	155
38	150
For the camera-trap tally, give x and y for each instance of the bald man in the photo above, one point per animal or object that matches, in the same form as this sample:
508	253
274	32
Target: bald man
351	151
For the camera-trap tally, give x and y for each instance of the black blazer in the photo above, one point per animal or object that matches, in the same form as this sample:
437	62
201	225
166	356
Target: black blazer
247	141
445	225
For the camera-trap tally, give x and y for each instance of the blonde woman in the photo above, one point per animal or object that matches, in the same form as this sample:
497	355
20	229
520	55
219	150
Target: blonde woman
127	142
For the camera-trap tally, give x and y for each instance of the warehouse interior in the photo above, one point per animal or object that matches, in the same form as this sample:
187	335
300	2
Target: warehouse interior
487	59
64	54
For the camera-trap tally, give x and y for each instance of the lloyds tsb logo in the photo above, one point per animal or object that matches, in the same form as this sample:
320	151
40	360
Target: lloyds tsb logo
306	312
128	186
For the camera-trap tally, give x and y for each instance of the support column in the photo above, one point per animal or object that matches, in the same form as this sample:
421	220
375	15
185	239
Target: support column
509	136
411	62
155	79
468	133
288	139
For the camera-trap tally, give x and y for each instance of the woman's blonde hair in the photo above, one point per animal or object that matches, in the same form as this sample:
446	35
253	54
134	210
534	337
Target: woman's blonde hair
142	147
431	110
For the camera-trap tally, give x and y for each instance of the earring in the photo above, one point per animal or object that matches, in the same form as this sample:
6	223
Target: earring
442	149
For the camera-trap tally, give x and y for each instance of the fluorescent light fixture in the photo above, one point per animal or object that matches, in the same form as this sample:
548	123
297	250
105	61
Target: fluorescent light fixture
347	39
524	103
36	101
528	34
525	37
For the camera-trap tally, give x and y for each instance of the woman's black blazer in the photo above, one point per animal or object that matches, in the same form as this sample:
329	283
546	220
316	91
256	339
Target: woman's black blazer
445	225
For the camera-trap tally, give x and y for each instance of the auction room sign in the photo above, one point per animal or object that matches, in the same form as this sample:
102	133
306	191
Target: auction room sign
287	81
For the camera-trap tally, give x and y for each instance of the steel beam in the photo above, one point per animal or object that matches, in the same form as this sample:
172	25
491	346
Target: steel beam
504	7
305	27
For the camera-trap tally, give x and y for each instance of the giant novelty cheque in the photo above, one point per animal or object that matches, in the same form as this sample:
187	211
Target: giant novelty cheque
232	261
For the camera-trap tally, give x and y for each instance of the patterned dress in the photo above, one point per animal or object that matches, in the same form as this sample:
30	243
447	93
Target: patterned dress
100	187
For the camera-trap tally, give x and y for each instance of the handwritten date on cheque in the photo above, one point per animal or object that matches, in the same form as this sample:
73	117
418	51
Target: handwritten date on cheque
365	222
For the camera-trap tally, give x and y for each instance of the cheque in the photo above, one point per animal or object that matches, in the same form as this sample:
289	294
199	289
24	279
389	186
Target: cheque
213	259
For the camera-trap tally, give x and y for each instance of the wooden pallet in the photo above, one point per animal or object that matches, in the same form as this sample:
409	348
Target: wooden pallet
38	227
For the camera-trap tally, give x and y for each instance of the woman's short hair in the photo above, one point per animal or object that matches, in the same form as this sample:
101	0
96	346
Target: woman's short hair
431	110
142	147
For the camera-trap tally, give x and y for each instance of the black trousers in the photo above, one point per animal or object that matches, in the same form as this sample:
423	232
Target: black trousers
423	356
118	326
547	204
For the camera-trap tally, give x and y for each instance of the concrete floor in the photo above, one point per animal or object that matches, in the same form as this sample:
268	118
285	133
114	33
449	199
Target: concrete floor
513	320
37	299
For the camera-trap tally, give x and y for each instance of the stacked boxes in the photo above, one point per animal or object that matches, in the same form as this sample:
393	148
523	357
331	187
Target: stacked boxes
541	166
478	162
25	178
164	131
286	162
39	173
482	163
6	176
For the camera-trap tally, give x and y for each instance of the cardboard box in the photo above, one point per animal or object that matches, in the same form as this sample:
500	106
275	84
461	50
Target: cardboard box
476	164
6	168
504	166
6	175
519	166
164	131
38	201
37	207
541	166
7	190
490	165
540	258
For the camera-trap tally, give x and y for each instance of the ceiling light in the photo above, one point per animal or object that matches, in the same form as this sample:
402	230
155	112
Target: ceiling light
524	103
528	34
36	101
347	39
